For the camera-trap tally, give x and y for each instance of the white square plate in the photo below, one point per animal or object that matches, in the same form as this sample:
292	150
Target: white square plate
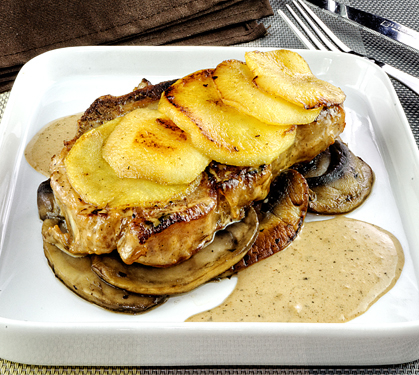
41	322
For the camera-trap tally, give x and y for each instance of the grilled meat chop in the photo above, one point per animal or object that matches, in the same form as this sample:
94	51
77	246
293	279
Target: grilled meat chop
164	235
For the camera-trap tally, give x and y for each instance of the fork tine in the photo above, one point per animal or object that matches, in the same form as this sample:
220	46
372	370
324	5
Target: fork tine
408	80
297	32
318	32
313	38
322	25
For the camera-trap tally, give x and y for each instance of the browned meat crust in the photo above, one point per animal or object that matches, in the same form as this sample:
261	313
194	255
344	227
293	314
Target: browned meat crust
108	107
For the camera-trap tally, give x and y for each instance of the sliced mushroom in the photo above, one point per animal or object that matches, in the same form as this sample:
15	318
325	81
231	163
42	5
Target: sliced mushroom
342	186
316	167
281	216
47	207
77	275
227	248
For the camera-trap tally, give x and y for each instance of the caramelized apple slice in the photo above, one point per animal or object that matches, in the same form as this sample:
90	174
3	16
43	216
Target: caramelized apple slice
147	144
98	184
219	131
286	74
227	248
234	81
77	275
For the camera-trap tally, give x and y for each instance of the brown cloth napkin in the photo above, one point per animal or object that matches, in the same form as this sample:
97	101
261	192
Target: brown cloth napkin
31	27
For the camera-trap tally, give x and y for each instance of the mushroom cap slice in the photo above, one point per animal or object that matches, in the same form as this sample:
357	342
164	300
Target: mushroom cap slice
47	207
340	187
281	217
227	248
76	273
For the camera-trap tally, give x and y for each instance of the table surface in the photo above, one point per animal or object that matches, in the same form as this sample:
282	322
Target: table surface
279	35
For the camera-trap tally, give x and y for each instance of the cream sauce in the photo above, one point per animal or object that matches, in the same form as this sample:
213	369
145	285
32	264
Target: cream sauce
49	141
333	272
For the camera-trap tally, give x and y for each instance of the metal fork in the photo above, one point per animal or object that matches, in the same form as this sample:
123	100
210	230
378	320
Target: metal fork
332	43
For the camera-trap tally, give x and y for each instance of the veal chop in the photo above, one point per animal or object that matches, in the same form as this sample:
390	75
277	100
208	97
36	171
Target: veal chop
164	235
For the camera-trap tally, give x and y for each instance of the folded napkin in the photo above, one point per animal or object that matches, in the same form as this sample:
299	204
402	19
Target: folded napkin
29	28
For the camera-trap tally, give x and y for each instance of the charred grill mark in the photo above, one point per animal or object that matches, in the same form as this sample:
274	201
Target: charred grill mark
98	212
170	125
290	130
189	114
150	140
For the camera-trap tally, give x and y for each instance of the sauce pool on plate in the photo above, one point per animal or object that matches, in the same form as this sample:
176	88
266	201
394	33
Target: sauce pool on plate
333	272
49	141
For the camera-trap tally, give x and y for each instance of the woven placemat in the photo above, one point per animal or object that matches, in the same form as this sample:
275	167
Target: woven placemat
280	36
4	97
10	368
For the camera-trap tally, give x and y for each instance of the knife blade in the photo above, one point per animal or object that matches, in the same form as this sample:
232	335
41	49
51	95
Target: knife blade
384	26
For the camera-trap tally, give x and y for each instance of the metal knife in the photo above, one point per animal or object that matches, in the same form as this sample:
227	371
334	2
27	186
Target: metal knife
386	27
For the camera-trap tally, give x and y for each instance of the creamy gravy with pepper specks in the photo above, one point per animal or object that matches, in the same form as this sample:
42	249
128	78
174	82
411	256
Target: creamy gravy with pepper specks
333	272
49	141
